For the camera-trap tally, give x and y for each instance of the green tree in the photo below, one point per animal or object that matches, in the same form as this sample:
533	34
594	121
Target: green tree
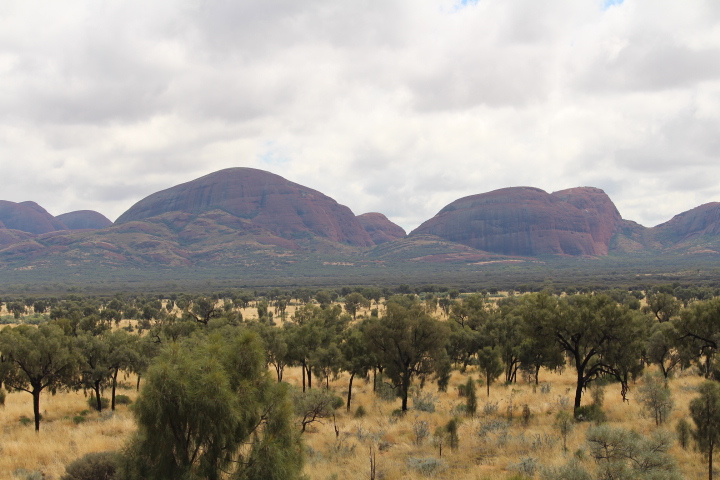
705	412
663	305
625	454
209	409
354	302
536	353
600	337
409	343
565	423
699	329
276	347
315	405
122	354
490	365
655	396
470	397
35	359
358	359
94	365
661	347
204	309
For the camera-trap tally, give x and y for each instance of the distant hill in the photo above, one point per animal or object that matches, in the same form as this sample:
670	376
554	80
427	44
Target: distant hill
28	217
265	200
255	221
84	219
381	229
529	222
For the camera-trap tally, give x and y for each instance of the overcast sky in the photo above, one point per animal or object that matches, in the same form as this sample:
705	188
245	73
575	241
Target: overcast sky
393	106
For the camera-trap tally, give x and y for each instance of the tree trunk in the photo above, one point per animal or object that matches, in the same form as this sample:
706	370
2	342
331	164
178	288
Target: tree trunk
578	390
711	447
487	382
302	367
36	407
98	400
138	383
114	385
352	376
405	389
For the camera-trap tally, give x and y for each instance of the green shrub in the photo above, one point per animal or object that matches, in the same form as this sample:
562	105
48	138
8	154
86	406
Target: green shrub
683	431
452	433
36	319
421	429
397	413
92	402
428	466
590	413
78	419
360	412
424	402
526	466
385	391
92	466
122	400
25	420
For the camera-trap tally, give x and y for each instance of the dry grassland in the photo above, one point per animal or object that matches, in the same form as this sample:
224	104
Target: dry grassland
491	444
391	438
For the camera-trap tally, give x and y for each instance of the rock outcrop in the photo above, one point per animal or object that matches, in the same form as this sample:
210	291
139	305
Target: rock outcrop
28	217
84	220
528	221
600	212
286	209
379	228
700	221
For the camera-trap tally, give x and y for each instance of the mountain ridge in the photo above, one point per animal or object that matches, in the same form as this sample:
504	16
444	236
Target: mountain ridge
244	216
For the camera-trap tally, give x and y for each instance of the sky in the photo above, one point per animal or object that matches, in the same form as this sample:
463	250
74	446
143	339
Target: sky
392	106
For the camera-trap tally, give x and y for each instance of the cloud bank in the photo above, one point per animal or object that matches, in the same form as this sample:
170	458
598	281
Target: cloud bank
391	106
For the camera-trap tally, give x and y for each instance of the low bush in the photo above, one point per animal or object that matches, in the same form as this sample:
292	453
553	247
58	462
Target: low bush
590	413
428	466
92	466
92	402
424	402
122	400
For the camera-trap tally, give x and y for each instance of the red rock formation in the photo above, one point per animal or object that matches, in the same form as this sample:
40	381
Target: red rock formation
84	219
529	221
28	217
282	207
702	220
381	229
599	211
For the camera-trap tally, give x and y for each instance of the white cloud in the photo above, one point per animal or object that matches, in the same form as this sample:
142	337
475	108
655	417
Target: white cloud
394	106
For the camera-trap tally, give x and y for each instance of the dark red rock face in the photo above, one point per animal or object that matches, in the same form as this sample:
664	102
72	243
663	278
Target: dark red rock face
84	219
529	221
269	201
379	228
702	220
28	217
57	224
599	211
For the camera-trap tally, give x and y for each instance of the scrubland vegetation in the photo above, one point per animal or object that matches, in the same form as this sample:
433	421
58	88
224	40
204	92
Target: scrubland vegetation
364	383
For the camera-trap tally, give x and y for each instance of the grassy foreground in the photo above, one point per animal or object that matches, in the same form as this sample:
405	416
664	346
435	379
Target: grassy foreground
492	445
